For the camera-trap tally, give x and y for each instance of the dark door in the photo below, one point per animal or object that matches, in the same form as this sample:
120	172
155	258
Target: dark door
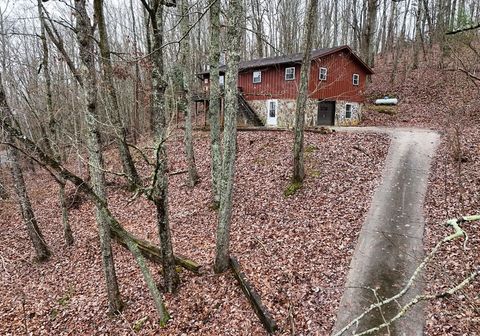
326	113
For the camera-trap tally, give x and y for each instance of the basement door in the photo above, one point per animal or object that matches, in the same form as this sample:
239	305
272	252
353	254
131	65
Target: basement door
326	113
272	112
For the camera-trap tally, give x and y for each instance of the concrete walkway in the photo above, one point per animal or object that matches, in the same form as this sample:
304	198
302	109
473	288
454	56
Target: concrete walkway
390	244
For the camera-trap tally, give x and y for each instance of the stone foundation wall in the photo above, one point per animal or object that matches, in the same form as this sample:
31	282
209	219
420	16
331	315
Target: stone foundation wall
260	107
340	111
286	112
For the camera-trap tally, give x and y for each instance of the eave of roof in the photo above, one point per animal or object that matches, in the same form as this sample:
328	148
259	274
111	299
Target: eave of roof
292	58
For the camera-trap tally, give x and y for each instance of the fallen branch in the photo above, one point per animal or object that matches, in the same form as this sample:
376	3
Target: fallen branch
252	296
419	298
458	233
291	318
153	252
58	170
180	172
360	149
463	29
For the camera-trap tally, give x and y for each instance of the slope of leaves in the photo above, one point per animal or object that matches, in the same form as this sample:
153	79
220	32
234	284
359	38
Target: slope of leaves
429	96
437	98
295	250
453	192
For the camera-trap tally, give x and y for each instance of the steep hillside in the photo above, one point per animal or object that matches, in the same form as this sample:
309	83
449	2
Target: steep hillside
448	101
429	96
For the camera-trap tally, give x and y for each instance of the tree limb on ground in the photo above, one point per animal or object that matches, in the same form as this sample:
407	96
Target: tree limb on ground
458	233
153	253
133	244
253	297
463	29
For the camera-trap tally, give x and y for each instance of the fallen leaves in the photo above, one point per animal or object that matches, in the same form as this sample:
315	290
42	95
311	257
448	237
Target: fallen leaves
453	192
295	250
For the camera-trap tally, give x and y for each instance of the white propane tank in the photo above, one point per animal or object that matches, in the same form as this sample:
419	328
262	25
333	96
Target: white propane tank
386	101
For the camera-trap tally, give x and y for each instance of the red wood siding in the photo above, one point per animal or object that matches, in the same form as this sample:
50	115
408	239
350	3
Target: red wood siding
339	84
340	66
273	85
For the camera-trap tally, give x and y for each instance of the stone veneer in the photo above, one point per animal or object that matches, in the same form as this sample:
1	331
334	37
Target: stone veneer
286	112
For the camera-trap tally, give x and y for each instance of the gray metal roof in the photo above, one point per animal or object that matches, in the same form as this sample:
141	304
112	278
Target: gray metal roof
292	58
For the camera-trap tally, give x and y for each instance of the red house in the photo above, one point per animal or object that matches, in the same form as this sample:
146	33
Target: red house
269	87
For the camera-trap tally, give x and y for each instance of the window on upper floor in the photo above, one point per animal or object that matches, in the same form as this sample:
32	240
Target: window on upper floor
322	74
356	79
257	77
290	73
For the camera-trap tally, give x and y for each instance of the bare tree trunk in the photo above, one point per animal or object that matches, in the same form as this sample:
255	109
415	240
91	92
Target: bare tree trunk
298	164
346	23
453	15
461	10
33	230
135	117
355	27
36	236
52	138
336	24
215	95
120	131
67	230
429	20
3	191
383	35
400	45
369	33
84	33
391	26
418	36
235	17
148	39
258	26
159	194
186	64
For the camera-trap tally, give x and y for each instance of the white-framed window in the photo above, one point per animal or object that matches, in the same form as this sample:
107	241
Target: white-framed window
257	77
348	111
356	79
290	73
322	75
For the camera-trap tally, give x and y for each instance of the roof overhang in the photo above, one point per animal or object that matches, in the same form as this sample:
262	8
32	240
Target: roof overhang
290	59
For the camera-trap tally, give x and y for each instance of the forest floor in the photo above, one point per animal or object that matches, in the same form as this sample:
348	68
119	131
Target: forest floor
296	251
447	102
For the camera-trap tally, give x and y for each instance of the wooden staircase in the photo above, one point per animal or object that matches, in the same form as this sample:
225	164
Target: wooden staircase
248	112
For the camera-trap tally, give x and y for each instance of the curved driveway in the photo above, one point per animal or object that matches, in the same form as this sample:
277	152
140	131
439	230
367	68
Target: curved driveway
390	244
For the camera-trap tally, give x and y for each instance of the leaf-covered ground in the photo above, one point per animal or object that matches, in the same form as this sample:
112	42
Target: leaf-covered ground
296	251
453	192
429	96
436	98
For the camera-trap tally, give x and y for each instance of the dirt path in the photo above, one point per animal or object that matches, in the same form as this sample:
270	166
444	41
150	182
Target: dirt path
390	244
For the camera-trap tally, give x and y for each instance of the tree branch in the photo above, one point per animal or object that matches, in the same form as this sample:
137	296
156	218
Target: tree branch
463	29
458	233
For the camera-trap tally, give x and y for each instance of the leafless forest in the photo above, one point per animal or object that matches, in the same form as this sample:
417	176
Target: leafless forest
126	207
